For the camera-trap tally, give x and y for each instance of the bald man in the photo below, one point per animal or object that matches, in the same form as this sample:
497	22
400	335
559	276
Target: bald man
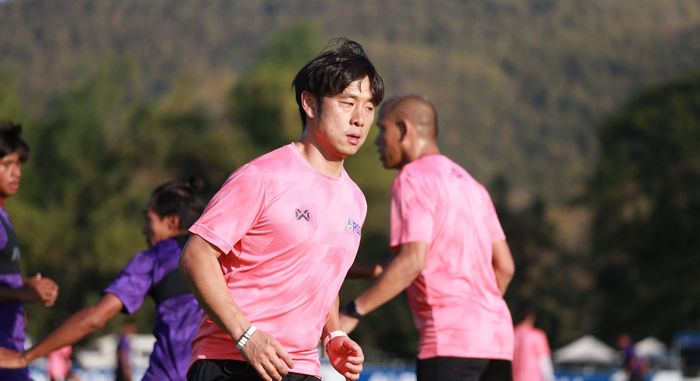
451	253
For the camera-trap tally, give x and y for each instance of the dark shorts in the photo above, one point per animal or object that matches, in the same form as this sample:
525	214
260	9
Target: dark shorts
463	369
232	370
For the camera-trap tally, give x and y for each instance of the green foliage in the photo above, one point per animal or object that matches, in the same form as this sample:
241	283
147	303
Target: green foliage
519	85
10	104
117	97
95	159
645	196
262	102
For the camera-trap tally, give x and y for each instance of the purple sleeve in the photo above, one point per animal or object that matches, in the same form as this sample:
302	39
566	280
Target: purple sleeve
133	283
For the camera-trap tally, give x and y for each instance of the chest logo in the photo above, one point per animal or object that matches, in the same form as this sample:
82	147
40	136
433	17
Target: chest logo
15	254
305	214
354	226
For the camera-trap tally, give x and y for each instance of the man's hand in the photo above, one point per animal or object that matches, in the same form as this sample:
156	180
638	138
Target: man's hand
39	289
264	353
345	356
348	323
10	359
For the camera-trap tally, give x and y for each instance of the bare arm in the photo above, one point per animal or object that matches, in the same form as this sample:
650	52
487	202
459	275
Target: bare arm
397	276
34	289
333	322
344	354
200	266
79	325
365	271
503	265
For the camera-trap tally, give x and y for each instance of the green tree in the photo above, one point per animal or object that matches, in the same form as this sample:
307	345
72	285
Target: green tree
645	196
10	104
262	102
548	276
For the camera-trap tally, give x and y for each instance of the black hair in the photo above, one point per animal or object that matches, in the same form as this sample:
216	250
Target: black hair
342	62
179	198
10	140
525	310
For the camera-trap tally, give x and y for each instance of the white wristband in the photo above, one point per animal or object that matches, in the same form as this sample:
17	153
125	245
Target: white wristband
332	336
246	336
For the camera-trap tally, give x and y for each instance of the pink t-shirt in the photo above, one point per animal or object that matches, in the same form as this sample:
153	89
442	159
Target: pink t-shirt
289	235
531	347
59	362
456	304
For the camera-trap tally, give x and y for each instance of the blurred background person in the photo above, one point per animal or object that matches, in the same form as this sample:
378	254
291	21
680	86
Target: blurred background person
123	371
634	366
532	359
15	290
58	363
452	257
170	210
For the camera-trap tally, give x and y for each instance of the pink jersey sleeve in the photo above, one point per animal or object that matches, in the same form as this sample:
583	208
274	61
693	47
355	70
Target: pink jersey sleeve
233	210
412	215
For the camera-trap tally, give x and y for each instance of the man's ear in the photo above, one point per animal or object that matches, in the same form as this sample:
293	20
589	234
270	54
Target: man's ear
404	128
309	103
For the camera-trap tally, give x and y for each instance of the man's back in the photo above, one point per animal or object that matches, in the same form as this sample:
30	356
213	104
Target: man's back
456	303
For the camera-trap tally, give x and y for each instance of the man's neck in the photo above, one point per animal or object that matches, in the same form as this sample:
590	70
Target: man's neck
325	165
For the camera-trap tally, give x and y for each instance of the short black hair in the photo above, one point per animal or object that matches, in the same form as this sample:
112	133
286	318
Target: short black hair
11	141
342	62
179	198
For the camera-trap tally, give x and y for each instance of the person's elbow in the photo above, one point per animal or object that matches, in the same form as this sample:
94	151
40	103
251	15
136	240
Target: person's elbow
95	319
503	264
506	271
186	261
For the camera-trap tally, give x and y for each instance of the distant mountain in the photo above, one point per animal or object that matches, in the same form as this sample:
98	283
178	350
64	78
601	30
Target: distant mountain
520	85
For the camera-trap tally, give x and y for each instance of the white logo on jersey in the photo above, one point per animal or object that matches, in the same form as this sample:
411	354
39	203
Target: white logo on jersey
15	254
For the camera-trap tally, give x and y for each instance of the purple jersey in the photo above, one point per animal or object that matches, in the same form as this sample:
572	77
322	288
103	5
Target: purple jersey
154	272
11	313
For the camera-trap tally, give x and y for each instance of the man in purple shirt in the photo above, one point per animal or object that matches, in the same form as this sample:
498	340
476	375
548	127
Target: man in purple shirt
14	289
172	208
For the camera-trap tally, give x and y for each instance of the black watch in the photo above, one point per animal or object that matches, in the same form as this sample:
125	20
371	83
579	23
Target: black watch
351	310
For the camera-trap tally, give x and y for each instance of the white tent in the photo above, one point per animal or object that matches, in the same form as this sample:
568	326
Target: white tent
586	350
650	347
102	352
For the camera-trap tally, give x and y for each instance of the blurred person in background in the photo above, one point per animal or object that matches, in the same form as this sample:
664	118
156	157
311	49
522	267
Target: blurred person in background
170	210
15	290
123	371
634	366
58	363
532	359
451	253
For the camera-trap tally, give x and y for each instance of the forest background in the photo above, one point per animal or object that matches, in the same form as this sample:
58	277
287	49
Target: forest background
581	117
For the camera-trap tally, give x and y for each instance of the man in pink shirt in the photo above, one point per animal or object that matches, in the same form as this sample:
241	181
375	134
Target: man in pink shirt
270	252
451	253
531	355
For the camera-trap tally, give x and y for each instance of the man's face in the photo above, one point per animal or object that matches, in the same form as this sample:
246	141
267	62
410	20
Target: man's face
155	228
344	120
10	174
389	140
